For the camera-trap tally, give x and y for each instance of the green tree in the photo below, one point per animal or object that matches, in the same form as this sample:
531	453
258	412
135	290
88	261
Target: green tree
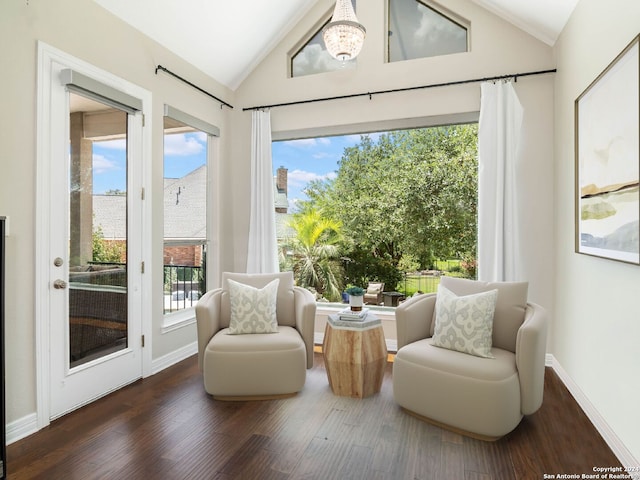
105	251
411	192
314	253
441	201
361	267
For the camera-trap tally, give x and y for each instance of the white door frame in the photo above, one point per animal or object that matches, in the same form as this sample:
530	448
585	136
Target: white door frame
49	131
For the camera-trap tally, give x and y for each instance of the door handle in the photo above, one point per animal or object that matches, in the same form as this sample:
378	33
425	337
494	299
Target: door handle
59	284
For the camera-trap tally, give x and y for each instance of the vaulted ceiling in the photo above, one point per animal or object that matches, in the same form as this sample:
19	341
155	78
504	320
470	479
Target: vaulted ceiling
211	34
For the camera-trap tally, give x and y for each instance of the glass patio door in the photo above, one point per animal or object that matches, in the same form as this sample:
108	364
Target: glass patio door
98	306
95	313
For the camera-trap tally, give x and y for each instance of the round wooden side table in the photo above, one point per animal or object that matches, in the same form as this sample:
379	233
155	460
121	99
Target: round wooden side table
355	355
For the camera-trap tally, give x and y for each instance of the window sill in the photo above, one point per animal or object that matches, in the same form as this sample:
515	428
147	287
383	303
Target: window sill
183	318
180	319
386	314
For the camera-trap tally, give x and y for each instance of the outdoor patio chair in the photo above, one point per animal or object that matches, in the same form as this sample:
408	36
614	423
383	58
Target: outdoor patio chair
373	294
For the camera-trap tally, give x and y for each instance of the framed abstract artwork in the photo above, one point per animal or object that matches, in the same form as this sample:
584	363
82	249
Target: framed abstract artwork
607	116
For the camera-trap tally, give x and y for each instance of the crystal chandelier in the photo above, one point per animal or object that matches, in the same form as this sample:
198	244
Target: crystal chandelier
343	35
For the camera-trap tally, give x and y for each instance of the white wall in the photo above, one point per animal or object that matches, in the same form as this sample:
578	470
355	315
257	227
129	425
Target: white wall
496	48
86	31
595	335
595	299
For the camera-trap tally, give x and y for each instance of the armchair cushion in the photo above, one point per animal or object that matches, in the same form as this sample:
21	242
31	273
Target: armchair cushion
285	309
510	306
465	393
253	310
255	365
465	323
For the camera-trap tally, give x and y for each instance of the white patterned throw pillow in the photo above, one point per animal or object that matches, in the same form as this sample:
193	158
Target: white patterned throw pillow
253	310
465	324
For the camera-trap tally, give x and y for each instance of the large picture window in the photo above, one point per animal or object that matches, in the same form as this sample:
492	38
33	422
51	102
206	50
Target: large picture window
397	208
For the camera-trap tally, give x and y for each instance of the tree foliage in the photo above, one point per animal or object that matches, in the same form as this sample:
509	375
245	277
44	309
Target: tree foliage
413	193
106	251
313	253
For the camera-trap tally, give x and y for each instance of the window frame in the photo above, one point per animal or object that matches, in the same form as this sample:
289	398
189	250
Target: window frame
436	7
385	312
186	316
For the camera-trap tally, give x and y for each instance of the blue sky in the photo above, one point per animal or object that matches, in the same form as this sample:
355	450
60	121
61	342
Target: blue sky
306	160
109	166
184	152
309	159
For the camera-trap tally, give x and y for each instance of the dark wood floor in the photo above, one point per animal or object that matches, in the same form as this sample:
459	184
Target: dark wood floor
167	427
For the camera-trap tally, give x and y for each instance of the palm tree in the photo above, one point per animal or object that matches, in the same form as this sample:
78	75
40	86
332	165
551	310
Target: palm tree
314	253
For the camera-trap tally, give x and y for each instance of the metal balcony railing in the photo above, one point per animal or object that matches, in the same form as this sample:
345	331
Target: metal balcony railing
183	286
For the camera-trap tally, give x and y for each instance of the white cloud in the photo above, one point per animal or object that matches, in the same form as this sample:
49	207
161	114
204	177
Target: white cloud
356	139
200	136
302	177
182	145
440	32
375	136
308	142
305	142
294	204
102	164
314	58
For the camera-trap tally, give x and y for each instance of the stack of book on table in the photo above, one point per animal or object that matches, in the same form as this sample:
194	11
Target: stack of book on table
348	314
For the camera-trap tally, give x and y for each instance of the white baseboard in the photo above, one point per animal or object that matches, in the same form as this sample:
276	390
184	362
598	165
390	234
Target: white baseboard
28	425
615	444
21	428
174	357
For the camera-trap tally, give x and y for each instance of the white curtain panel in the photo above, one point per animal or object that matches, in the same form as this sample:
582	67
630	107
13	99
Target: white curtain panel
262	255
499	257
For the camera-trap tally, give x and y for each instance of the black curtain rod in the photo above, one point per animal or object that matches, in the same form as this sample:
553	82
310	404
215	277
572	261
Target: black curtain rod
160	67
434	85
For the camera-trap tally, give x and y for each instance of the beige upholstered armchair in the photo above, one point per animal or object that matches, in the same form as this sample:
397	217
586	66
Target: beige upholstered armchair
482	397
373	293
239	364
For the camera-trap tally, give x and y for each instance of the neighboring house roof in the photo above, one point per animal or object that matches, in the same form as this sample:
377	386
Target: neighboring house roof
185	204
283	230
110	214
280	199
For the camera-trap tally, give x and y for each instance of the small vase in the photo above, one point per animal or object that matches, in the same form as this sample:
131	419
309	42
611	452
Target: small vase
355	302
